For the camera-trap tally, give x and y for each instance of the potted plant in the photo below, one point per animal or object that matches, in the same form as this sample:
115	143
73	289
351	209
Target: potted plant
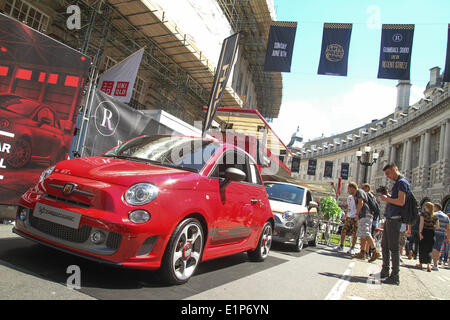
330	211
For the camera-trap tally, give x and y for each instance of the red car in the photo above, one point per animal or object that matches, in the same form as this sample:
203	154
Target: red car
152	202
39	136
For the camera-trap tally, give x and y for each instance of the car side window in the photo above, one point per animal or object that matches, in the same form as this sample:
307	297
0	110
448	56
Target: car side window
232	159
256	179
308	198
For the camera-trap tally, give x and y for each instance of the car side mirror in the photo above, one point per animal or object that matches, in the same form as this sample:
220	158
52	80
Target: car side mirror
232	174
312	204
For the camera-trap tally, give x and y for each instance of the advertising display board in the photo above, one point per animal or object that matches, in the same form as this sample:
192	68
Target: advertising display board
40	85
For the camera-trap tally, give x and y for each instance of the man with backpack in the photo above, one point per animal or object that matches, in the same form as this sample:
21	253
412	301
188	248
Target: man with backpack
364	217
393	221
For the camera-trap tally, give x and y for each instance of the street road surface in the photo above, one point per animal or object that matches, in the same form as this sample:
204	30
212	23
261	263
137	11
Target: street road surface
32	271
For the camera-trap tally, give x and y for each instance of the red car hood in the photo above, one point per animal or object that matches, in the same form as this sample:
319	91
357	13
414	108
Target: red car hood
126	172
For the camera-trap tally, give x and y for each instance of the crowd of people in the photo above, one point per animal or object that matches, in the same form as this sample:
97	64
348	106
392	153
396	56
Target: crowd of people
426	239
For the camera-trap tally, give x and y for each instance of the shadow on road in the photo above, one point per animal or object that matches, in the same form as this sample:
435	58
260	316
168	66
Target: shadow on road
108	282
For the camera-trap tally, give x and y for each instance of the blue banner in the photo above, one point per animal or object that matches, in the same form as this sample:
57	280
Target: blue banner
335	46
395	51
280	47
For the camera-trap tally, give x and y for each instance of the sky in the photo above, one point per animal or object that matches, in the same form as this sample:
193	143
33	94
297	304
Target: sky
328	105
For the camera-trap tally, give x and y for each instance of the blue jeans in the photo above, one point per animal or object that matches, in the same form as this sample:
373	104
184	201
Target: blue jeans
444	255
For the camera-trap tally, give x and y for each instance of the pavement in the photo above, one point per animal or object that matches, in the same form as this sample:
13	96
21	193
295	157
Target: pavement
31	271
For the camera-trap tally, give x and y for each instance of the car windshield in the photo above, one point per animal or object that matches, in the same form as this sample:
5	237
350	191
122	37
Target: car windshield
181	152
285	192
18	105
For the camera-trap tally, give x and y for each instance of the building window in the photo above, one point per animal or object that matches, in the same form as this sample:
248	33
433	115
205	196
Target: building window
109	62
27	14
434	146
399	157
138	90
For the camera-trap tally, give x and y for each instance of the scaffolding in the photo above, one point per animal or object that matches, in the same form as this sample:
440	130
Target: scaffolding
252	18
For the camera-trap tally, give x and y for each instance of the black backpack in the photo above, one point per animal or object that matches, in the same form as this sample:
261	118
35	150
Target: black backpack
410	211
374	206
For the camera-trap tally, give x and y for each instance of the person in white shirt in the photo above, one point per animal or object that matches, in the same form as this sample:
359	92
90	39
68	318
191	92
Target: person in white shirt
350	225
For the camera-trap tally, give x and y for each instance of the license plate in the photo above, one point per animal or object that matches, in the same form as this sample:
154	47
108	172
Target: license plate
56	215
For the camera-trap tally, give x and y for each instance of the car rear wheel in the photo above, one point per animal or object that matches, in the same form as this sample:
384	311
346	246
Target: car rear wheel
20	154
265	242
300	239
183	252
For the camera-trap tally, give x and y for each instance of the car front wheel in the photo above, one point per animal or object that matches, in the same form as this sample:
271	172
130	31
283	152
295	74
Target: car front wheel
300	239
265	241
183	252
20	154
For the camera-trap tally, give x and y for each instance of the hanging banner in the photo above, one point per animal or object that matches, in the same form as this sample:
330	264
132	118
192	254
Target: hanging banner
295	165
280	46
118	81
328	172
447	60
395	51
344	170
41	81
335	47
224	66
312	164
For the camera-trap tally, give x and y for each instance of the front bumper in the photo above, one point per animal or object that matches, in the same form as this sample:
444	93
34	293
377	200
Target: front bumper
285	231
123	246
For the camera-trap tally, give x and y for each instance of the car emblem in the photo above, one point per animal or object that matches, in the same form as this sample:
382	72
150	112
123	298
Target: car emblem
68	189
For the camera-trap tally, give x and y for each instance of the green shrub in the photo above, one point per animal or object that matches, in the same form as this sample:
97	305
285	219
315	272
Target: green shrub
330	209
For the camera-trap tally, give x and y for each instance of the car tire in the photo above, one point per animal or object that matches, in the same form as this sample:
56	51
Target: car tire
261	252
20	155
315	240
300	243
183	252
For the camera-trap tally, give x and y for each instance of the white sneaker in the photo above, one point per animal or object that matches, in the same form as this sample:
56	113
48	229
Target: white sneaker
339	248
434	268
351	251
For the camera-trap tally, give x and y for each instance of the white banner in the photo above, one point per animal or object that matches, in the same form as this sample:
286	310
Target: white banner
118	81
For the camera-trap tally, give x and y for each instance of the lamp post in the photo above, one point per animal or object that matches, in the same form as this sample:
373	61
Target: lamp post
366	162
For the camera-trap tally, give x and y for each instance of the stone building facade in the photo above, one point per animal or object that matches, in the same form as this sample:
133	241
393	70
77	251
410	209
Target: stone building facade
416	137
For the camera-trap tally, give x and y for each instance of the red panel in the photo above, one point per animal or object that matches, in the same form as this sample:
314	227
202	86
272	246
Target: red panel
53	78
71	81
42	77
24	74
4	71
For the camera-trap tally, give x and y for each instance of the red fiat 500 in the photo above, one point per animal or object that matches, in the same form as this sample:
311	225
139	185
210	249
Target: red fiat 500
152	202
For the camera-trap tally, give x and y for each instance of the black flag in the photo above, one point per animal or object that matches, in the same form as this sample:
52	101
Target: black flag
335	46
312	163
447	61
224	66
328	172
395	51
280	46
344	170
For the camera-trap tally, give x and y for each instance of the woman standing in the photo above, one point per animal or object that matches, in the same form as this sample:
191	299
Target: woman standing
428	223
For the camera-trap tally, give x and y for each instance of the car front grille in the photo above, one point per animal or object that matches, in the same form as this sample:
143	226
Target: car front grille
61	232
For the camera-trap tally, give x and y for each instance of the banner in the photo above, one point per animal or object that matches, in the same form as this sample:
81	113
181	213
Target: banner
335	46
344	170
118	81
328	172
280	46
112	122
295	165
40	85
395	51
447	60
223	71
312	164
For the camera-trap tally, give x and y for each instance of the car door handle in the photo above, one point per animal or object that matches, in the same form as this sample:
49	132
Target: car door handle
254	201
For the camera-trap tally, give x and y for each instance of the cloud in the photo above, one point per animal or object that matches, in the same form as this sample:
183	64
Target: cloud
360	105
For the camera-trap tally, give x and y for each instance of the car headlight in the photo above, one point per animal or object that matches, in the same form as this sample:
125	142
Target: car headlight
141	193
288	216
46	173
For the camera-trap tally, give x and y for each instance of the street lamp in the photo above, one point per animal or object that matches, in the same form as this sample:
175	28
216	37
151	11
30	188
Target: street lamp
366	162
